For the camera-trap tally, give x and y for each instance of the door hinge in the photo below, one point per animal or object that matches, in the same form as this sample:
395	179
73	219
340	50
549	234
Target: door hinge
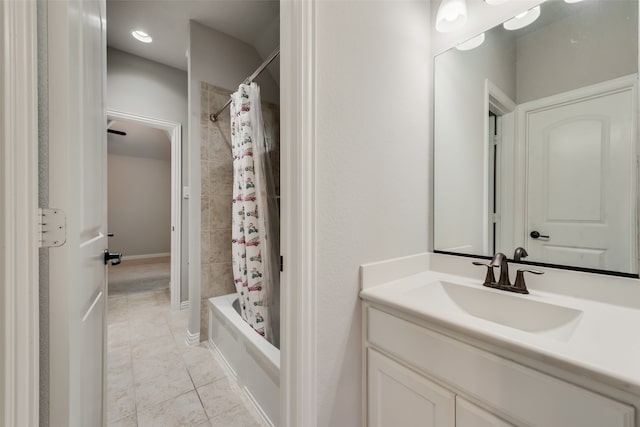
496	140
52	224
495	217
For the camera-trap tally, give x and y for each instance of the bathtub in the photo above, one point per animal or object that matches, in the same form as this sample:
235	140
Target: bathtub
253	361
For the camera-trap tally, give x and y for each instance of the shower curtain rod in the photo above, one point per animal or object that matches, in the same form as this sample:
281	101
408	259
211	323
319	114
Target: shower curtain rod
248	80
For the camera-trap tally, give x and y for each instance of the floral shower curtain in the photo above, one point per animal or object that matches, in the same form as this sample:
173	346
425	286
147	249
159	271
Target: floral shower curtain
255	215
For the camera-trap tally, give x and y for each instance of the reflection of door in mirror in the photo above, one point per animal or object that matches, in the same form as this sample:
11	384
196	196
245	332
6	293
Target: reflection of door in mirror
581	177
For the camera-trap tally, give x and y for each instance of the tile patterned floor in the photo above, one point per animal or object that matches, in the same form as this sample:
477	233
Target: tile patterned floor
154	379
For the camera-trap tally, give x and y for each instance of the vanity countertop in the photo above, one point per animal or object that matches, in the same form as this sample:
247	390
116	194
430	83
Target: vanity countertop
597	339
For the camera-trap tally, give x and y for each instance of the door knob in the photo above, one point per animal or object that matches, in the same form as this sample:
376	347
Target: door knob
536	235
114	257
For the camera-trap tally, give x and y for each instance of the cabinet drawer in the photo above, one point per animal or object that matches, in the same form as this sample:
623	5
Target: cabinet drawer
523	394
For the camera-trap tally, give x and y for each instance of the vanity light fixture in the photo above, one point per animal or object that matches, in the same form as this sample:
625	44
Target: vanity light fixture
452	15
141	36
523	19
471	43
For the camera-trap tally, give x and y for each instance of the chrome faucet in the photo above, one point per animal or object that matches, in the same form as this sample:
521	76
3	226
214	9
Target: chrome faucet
500	260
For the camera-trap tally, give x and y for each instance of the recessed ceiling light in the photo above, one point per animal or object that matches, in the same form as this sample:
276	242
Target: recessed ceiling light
523	19
572	1
141	36
471	43
495	2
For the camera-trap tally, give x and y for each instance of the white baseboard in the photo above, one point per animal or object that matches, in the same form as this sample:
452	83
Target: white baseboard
192	339
146	256
184	305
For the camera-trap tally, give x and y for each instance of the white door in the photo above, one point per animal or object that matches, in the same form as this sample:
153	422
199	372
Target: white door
581	192
77	183
400	397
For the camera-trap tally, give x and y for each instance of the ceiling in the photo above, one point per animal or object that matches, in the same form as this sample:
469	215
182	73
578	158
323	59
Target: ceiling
167	21
140	141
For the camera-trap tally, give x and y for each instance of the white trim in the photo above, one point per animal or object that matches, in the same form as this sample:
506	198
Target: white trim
298	240
184	305
192	339
498	102
175	131
19	306
146	256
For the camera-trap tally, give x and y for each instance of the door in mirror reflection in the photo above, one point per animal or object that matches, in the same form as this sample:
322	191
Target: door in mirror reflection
579	195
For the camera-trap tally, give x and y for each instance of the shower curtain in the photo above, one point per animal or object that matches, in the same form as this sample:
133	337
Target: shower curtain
255	216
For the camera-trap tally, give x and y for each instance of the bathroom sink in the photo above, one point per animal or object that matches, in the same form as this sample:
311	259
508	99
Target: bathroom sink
512	310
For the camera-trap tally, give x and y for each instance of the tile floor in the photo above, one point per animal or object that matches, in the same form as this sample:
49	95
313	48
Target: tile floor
154	378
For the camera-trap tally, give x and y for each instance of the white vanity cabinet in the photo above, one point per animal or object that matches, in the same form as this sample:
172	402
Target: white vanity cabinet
416	376
470	415
401	397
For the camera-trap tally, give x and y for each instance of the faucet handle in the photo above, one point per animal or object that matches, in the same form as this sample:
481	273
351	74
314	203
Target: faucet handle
519	286
489	278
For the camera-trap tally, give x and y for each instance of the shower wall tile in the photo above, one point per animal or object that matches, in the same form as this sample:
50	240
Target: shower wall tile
205	179
220	245
221	177
220	211
205	214
216	163
205	252
204	319
205	145
220	280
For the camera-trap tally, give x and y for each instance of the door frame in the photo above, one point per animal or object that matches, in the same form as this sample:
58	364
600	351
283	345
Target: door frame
174	130
628	82
499	103
19	260
298	352
20	399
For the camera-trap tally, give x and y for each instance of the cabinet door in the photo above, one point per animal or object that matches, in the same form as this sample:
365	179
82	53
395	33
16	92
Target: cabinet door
398	396
470	415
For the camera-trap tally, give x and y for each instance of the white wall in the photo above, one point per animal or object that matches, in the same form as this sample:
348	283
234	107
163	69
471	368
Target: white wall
372	160
264	46
459	129
223	61
139	204
560	56
146	88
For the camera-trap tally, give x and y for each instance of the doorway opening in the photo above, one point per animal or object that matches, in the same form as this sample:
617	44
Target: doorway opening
144	180
495	131
500	158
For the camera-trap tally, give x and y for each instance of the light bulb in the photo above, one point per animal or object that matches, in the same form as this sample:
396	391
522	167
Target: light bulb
141	36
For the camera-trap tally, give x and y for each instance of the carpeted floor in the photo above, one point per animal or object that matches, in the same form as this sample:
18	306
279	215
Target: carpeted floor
139	275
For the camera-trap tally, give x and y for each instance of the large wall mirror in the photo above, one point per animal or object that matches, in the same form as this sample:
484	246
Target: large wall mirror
536	138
